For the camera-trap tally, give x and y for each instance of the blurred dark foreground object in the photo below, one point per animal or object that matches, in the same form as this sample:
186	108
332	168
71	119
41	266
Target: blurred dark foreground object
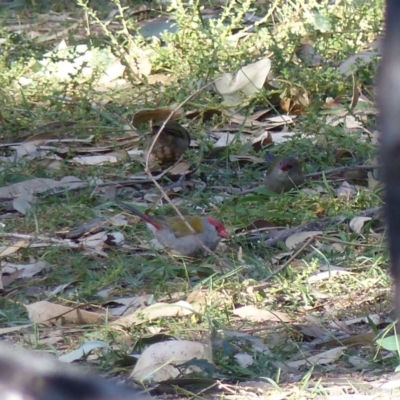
28	376
389	108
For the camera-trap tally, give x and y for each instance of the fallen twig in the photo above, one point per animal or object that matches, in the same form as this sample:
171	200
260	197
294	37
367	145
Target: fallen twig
316	225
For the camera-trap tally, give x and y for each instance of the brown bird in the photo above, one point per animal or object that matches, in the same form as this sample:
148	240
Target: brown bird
284	174
172	142
173	233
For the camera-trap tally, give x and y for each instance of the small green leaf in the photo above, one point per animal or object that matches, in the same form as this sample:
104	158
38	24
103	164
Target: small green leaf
390	343
322	23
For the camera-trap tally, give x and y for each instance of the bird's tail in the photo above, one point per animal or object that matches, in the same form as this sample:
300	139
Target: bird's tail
136	212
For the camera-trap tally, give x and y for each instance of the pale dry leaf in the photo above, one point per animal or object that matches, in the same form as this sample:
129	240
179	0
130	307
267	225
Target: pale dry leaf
281	119
243	120
325	357
29	150
26	270
244	359
11	329
94	241
355	61
278	257
346	190
141	66
321	276
359	362
118	220
32	185
267	124
373	183
156	363
113	71
44	312
255	314
7	279
263	138
116	239
350	122
248	158
157	310
152	198
23	203
181	168
226	138
84	350
136	154
357	223
7	251
58	289
375	318
300	237
257	344
127	305
96	160
281	137
236	88
40	185
312	330
159	78
261	113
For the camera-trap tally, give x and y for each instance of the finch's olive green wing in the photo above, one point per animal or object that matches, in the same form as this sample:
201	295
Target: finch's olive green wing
181	229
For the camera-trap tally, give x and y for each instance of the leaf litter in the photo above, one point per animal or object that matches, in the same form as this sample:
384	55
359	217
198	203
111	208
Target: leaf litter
109	157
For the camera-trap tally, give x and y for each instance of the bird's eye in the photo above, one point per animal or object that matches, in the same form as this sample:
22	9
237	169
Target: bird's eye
286	166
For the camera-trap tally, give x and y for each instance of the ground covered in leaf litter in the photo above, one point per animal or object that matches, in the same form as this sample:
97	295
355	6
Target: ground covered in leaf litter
300	290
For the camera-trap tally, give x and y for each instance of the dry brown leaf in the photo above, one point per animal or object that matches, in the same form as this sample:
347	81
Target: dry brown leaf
346	190
357	223
260	114
23	203
114	70
83	350
11	329
157	114
225	139
7	279
325	357
332	103
126	304
44	312
295	102
258	315
352	64
247	159
157	362
300	237
263	139
40	185
155	311
6	251
375	318
26	270
110	158
180	169
140	66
